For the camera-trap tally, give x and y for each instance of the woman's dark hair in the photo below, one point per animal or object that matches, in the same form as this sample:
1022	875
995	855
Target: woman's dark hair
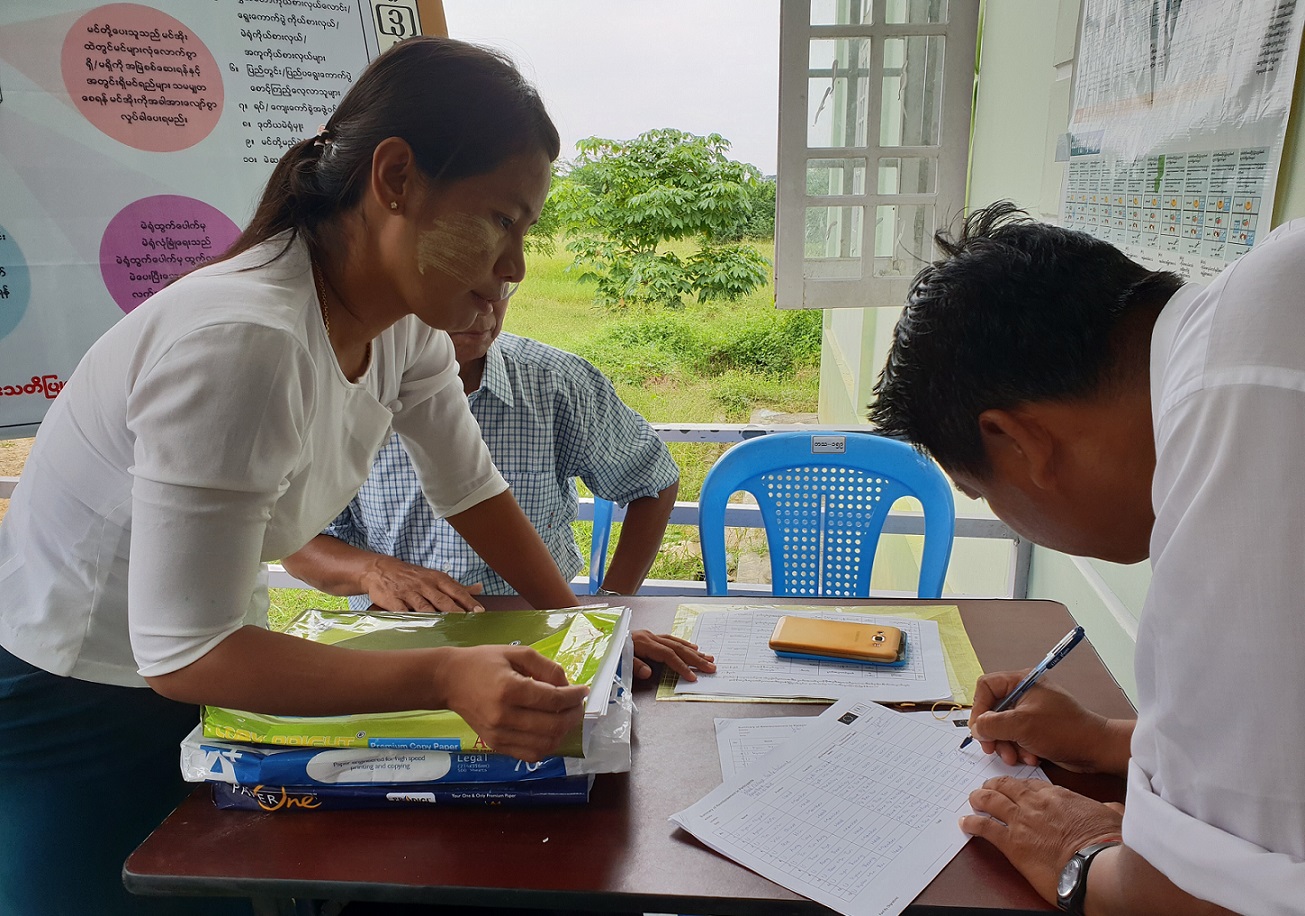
463	109
1016	312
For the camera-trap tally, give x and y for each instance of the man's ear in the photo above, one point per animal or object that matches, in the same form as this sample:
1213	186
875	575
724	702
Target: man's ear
1019	444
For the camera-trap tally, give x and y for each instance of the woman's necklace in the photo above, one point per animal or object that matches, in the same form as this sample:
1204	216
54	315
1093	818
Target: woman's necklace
321	299
326	314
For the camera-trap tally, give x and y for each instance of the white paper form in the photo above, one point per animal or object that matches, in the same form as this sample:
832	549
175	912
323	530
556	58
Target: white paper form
747	666
742	742
857	812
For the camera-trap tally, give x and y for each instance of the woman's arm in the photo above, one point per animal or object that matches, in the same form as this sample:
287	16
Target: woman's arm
515	698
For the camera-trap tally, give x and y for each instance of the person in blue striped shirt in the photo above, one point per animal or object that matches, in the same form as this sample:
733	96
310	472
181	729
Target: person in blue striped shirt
548	417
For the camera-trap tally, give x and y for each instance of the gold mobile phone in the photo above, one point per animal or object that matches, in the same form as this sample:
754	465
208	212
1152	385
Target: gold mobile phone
840	640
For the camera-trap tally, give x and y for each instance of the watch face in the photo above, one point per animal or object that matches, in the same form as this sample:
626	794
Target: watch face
1069	876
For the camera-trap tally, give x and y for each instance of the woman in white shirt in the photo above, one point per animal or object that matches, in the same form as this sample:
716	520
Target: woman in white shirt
223	424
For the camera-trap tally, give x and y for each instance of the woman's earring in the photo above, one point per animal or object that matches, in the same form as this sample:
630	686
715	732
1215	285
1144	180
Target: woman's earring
394	205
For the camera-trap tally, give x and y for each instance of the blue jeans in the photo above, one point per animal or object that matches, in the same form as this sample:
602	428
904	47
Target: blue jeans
86	772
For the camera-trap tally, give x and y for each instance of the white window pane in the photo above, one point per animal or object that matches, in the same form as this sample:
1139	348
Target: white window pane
908	175
903	239
897	12
841	12
912	91
835	176
833	242
838	85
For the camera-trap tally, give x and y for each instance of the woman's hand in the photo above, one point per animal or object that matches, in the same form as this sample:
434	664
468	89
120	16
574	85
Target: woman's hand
1038	826
1047	724
679	655
398	586
516	700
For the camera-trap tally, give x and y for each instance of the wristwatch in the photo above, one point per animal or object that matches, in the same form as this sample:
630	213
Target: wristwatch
1071	889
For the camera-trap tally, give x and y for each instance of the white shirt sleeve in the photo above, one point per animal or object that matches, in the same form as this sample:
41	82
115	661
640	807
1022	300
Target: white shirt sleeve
213	451
1216	795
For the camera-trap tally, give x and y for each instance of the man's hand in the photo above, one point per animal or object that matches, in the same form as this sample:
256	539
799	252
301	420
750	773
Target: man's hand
1038	826
398	586
517	700
1047	724
678	654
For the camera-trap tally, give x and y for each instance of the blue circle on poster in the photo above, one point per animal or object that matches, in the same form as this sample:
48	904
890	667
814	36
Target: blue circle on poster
15	283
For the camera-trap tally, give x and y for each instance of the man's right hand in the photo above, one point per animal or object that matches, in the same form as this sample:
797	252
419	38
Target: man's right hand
398	586
517	700
1047	724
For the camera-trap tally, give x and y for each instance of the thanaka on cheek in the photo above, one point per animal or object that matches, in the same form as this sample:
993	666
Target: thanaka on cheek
458	245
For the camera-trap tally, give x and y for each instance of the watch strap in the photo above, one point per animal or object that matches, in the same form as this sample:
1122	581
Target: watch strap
1073	901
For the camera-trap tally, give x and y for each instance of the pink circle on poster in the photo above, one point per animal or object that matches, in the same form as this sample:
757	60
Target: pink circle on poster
156	239
142	77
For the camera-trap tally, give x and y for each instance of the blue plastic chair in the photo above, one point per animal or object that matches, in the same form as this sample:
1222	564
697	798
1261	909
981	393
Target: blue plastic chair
823	509
598	546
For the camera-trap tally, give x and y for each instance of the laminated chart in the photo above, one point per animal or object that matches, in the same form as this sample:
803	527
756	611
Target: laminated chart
1193	214
1177	125
135	139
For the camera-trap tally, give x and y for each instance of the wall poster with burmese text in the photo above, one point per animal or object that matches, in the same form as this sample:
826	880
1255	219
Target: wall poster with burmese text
135	139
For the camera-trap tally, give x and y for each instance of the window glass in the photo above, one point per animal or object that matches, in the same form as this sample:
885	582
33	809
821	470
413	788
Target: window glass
908	175
903	239
841	12
835	176
912	91
838	86
898	12
833	242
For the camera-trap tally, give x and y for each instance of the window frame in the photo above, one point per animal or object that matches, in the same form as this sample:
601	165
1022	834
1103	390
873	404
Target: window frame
870	286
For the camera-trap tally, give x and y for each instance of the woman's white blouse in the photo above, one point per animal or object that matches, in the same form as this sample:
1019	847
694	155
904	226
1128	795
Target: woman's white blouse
206	433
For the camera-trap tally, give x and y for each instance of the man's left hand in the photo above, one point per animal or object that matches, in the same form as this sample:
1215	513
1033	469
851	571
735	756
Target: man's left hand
1039	826
679	655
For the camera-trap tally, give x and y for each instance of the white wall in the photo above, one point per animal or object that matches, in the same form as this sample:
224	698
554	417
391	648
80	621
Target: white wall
1025	79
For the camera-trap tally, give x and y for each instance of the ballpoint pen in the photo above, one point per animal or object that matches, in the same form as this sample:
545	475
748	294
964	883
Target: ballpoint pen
1059	651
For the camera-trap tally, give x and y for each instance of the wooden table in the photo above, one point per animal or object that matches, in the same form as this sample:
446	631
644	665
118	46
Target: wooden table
619	852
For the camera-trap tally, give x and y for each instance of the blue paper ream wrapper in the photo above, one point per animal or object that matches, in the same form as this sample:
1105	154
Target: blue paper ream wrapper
571	790
209	760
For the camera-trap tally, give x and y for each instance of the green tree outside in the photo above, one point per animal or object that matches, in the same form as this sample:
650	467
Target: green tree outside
623	200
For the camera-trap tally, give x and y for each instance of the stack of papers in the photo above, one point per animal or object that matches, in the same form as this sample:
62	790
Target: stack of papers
857	810
423	757
746	666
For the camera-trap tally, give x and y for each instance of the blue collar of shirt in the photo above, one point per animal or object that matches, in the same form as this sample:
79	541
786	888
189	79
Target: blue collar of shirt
494	376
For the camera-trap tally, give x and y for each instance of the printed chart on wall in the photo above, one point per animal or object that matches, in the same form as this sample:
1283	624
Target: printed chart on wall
1176	130
134	141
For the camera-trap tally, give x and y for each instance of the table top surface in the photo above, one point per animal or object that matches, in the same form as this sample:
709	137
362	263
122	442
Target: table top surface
618	852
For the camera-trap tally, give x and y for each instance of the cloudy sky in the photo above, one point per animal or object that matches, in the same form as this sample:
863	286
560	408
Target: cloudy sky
615	68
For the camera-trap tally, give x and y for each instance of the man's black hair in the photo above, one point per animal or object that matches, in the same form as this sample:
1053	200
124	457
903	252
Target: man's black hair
1016	311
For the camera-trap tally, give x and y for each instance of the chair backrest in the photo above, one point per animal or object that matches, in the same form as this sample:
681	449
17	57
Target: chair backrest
598	546
824	499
